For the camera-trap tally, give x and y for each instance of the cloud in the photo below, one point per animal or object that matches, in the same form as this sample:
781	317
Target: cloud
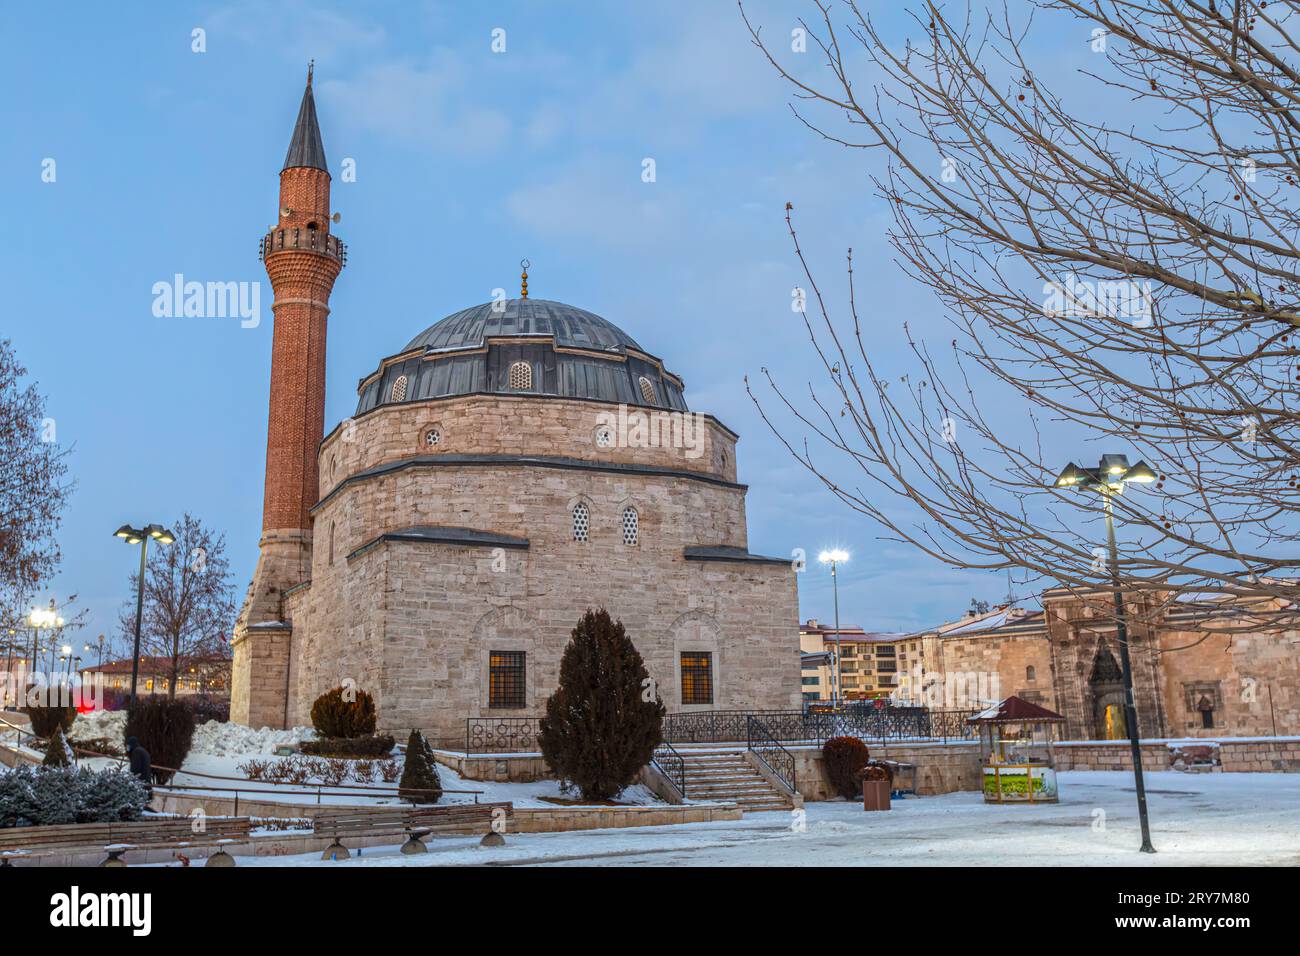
423	105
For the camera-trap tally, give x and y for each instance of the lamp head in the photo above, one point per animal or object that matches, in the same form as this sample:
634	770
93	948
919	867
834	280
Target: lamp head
834	556
1140	473
124	532
1069	476
1114	464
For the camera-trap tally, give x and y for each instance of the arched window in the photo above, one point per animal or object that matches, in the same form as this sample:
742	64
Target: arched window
399	389
631	523
581	522
331	542
521	376
1030	673
647	390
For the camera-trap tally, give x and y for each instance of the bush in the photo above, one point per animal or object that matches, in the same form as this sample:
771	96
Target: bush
332	716
207	708
845	758
41	796
419	783
363	771
98	745
376	746
598	731
57	752
389	770
165	728
45	720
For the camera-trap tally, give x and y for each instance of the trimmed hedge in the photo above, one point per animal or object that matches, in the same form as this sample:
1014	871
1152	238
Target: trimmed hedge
845	759
45	720
376	746
334	716
165	728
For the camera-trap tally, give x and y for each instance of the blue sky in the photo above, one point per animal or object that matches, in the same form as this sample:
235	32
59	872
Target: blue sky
467	161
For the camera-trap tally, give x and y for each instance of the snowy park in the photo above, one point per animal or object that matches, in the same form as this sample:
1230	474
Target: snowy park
1197	820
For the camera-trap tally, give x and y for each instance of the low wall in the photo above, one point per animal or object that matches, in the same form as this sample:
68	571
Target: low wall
1232	755
497	768
940	767
525	820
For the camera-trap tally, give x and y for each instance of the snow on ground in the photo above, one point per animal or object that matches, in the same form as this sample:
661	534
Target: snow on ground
520	794
1197	820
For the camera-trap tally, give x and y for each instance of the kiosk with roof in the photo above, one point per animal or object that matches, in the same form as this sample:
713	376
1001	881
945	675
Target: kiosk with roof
1016	751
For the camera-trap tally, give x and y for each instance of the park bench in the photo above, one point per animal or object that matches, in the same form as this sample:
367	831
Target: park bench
412	823
118	838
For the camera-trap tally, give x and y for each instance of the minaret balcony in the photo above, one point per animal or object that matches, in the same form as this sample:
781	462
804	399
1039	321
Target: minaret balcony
308	240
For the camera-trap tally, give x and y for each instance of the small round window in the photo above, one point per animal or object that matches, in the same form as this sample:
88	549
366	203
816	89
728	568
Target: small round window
604	437
433	437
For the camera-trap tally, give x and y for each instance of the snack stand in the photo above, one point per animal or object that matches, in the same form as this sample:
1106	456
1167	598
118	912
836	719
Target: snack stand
1016	752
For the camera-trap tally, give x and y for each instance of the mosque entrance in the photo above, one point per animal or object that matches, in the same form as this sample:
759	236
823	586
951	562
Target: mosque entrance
1106	687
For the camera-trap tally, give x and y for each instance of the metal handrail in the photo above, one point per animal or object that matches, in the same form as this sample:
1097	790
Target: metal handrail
782	762
671	764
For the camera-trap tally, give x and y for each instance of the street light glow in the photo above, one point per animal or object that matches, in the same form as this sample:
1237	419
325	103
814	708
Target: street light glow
835	556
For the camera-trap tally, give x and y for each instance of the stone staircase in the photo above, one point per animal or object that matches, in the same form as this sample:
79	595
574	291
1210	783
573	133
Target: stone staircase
727	775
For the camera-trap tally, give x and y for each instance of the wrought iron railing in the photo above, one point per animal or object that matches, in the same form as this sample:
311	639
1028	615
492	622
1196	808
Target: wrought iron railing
759	740
313	240
671	765
815	727
497	735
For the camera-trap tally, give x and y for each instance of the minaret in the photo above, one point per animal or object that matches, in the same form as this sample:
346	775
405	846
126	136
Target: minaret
302	260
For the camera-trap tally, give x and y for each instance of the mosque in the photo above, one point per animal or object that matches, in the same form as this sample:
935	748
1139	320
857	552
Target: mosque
510	466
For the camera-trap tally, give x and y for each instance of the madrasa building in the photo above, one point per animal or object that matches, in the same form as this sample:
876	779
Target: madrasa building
509	467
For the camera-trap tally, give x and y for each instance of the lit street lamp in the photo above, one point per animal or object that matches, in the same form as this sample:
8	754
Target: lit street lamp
835	558
1108	479
141	537
42	618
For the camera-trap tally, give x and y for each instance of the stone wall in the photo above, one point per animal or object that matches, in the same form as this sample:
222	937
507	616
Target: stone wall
940	768
1259	755
506	424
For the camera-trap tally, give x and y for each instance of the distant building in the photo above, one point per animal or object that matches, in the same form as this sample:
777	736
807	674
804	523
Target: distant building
207	675
1191	678
874	665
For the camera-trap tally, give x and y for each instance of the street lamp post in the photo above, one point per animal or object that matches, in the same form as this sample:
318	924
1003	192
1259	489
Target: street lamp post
834	559
42	618
141	537
1109	478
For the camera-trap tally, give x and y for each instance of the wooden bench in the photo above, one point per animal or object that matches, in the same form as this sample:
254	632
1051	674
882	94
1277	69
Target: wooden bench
413	823
118	838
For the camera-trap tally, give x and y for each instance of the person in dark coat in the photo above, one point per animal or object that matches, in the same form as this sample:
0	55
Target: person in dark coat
141	765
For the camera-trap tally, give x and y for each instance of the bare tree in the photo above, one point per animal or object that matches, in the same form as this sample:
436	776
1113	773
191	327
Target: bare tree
1132	284
189	604
33	491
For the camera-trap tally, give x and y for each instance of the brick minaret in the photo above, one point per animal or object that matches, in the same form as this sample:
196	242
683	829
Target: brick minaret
302	261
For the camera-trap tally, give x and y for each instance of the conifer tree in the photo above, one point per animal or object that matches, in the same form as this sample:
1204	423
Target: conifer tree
604	721
419	783
58	753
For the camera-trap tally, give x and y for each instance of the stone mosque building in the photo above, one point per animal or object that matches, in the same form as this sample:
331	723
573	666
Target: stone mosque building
507	468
